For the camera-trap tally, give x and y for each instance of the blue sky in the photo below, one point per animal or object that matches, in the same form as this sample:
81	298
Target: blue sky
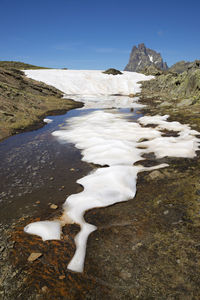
91	34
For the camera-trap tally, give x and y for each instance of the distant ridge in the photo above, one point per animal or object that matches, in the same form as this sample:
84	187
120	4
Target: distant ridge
18	65
143	57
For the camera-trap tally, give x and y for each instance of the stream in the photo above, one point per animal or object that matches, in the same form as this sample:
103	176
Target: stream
35	167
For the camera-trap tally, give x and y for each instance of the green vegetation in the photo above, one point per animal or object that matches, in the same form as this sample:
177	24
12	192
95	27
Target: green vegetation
18	65
24	102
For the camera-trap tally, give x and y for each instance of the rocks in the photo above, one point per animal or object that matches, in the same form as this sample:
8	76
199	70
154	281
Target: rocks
183	66
53	206
152	70
33	256
143	57
165	104
185	102
156	175
166	212
112	71
180	90
125	275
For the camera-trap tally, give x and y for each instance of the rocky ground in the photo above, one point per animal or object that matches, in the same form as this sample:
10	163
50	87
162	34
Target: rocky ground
175	92
25	102
146	248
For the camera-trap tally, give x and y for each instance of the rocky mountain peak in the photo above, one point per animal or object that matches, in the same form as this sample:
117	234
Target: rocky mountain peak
142	57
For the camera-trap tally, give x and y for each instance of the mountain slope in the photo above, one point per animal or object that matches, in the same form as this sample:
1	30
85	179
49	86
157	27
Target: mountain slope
24	102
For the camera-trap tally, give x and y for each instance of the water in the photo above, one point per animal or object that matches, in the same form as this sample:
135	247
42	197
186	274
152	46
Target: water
36	167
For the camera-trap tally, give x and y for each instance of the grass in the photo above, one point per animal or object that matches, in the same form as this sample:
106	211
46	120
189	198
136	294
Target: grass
19	65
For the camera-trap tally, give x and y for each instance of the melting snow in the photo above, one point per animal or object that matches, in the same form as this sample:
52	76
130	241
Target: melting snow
108	138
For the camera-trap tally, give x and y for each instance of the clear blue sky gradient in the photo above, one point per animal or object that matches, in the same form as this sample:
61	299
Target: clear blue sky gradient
91	34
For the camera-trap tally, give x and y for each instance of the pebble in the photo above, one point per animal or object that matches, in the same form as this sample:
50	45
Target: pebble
33	256
156	174
166	212
53	206
125	275
136	246
44	289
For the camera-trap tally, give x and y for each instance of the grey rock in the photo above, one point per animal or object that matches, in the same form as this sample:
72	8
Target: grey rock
185	102
156	175
143	57
182	66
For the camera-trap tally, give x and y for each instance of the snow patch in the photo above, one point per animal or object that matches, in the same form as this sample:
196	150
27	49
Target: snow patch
89	82
46	120
150	58
47	230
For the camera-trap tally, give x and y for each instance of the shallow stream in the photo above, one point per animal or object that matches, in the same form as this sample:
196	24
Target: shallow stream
35	167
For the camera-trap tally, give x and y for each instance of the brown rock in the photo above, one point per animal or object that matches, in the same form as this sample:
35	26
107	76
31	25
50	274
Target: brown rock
53	206
44	289
131	95
33	256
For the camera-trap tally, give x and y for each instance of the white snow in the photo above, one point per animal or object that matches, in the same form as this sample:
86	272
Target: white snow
150	57
46	120
89	82
47	230
108	138
107	101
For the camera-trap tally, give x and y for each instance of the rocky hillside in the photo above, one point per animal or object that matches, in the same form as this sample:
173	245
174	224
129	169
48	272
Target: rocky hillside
183	66
180	90
24	102
143	57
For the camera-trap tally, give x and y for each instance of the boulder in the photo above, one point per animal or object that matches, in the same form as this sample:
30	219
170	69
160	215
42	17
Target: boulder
112	71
